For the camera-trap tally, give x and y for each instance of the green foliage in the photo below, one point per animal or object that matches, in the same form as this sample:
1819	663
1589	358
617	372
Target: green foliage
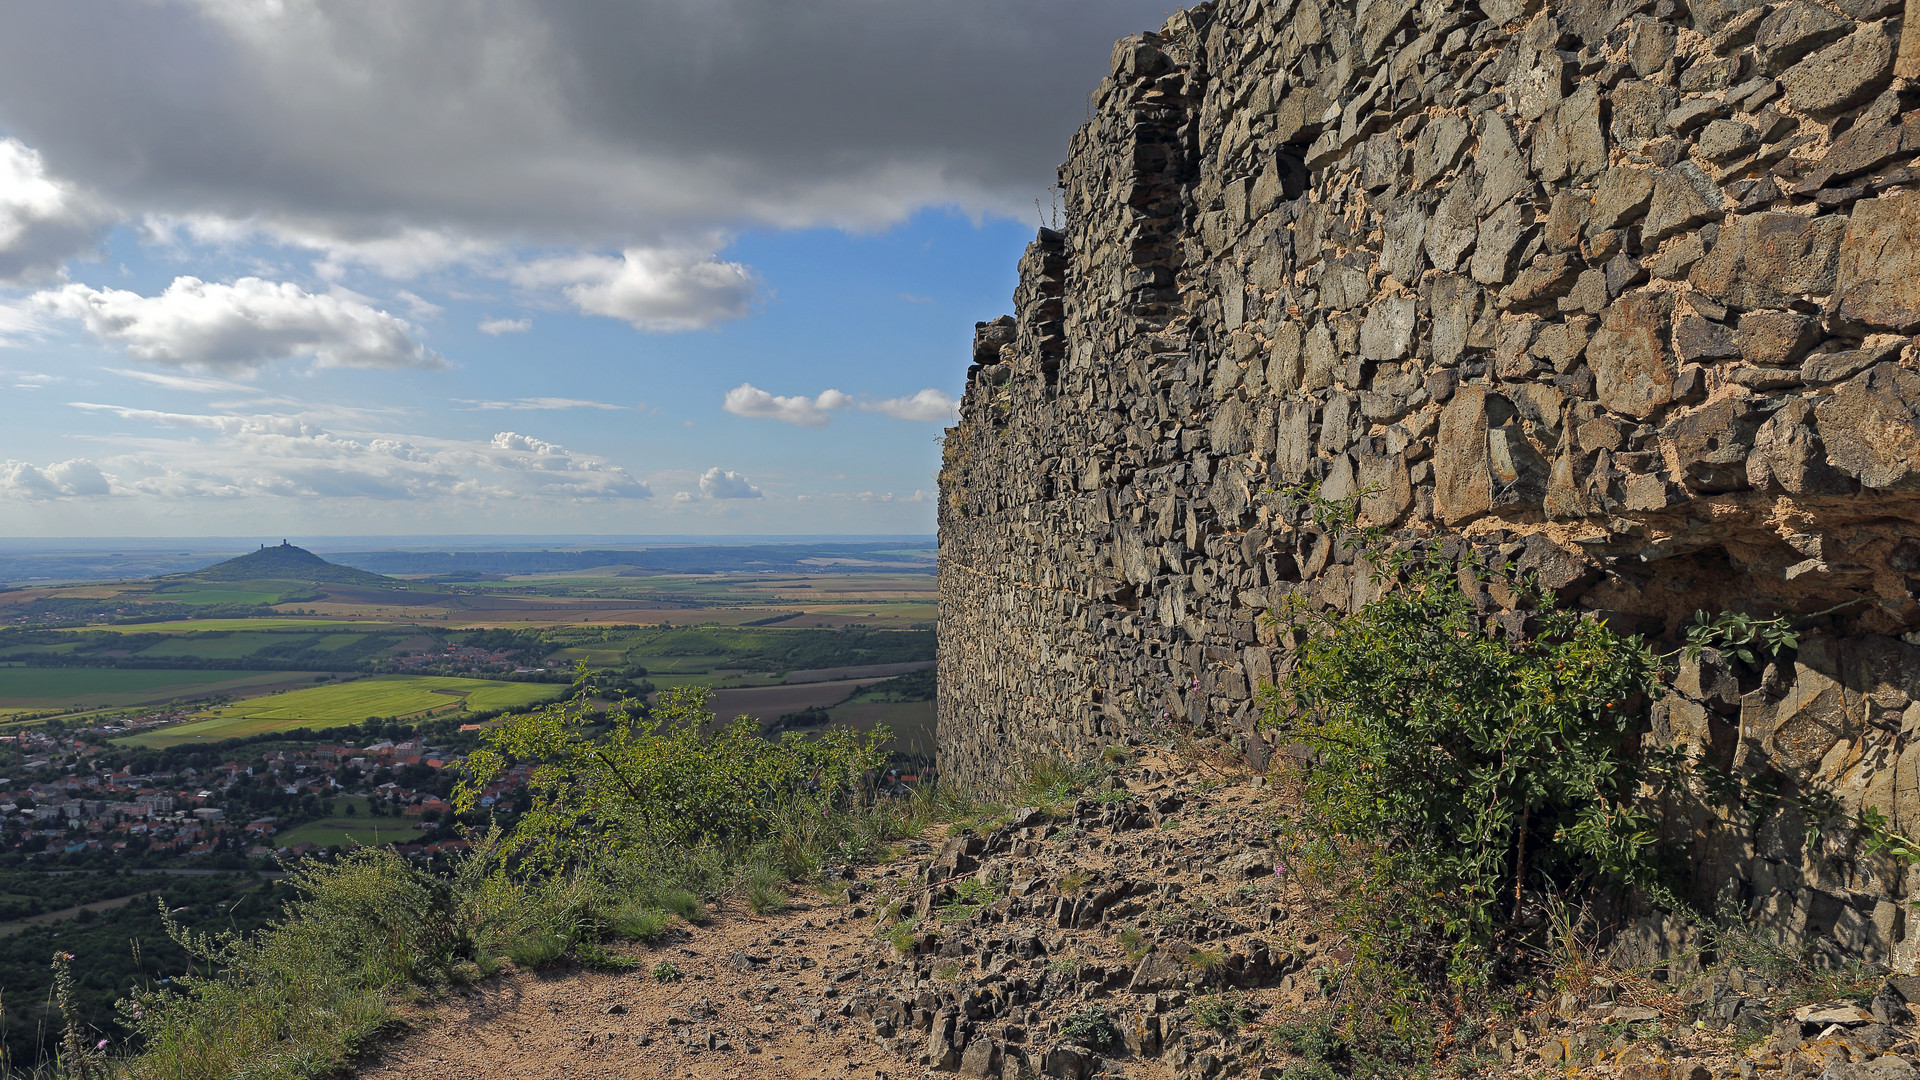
1223	1013
633	922
764	894
627	785
666	972
303	995
1746	638
1467	761
1090	1027
1207	961
1313	1038
537	949
1878	838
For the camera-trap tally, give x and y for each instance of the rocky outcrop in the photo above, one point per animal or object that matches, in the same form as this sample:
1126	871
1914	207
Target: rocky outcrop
1614	291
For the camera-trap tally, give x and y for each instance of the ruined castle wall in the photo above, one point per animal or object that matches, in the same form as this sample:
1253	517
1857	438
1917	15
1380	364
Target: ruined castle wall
1617	291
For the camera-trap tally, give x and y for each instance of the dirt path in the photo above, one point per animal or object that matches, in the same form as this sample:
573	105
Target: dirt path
753	1000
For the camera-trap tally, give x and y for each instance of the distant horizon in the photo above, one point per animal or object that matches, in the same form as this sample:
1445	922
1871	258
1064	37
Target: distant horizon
345	541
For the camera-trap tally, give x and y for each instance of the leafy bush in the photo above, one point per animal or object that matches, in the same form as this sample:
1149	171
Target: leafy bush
653	786
665	972
1464	760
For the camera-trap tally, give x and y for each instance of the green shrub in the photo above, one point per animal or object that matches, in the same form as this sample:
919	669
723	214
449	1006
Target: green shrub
1465	762
1222	1013
626	785
666	972
302	996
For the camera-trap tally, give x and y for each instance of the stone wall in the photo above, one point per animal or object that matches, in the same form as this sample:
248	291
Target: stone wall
1618	291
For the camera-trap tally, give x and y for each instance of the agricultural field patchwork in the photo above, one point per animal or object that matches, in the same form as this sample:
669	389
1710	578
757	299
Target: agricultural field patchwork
34	689
396	696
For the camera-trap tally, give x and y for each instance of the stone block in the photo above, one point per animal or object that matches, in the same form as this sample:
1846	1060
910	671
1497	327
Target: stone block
1878	277
1871	427
1633	369
1769	260
1847	73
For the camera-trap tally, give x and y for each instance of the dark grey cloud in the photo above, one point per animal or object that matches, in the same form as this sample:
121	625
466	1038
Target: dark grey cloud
417	128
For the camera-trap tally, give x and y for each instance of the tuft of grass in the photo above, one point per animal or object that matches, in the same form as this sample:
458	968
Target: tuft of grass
1074	882
946	973
1222	1012
536	950
631	922
597	957
682	903
1207	961
1134	943
901	937
765	892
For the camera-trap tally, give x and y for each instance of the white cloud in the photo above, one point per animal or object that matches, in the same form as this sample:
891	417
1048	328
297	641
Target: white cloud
292	456
419	307
240	328
928	404
684	496
751	401
43	221
718	483
65	479
496	327
664	290
539	404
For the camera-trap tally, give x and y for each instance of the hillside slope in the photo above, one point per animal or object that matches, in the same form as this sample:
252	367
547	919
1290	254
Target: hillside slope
1146	937
287	563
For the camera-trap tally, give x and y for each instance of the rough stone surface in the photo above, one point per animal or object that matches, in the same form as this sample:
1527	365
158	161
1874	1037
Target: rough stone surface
1620	288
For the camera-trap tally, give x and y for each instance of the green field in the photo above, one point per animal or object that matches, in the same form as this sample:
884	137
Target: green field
404	696
188	626
25	689
349	830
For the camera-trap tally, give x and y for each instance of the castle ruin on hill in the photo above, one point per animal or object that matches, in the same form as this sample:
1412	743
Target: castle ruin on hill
1617	292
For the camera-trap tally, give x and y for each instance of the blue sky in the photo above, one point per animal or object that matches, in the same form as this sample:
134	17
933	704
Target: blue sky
318	267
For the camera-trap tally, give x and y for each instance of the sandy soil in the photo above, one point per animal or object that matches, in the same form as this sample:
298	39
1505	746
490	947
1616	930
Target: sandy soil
728	1016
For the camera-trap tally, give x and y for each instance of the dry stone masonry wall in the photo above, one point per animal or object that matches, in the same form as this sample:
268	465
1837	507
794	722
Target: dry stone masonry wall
1615	291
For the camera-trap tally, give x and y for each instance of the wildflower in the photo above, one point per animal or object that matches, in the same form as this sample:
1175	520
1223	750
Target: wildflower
101	1045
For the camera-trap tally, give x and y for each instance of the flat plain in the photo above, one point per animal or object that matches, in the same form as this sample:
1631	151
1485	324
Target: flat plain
399	696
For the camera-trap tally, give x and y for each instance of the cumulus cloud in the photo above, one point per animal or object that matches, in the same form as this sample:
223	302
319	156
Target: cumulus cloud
661	290
496	327
65	479
363	122
43	220
238	329
928	404
296	456
751	401
718	483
